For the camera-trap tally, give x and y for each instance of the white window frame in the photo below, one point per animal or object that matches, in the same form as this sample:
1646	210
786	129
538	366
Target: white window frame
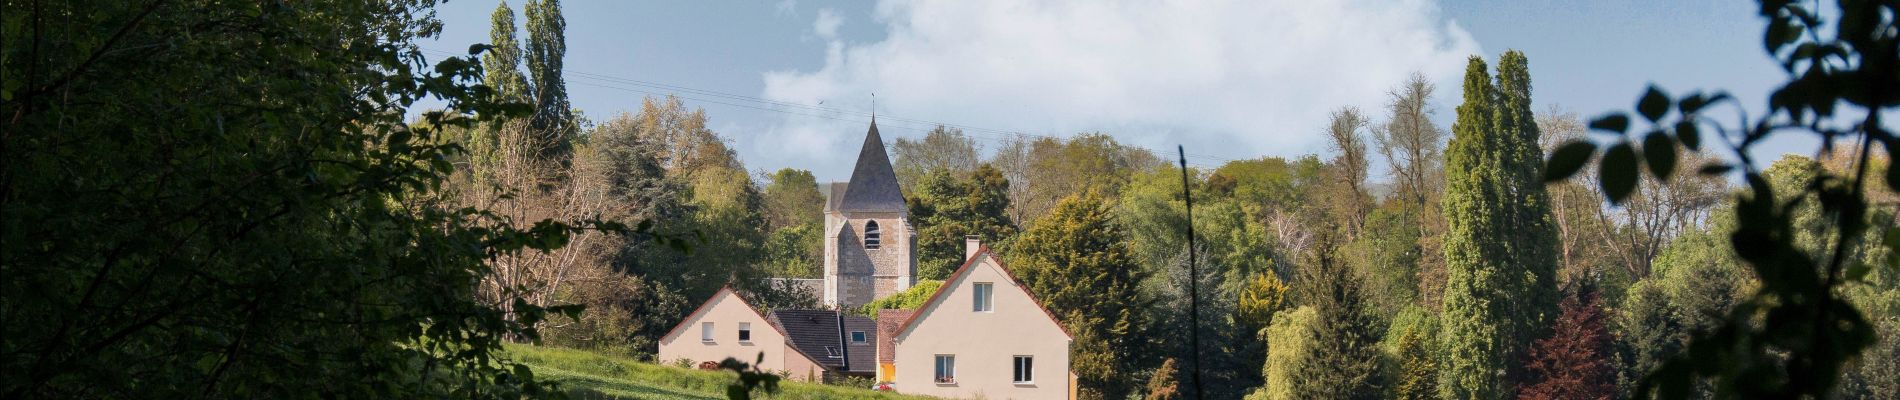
983	297
946	372
1023	370
745	332
859	337
833	352
706	331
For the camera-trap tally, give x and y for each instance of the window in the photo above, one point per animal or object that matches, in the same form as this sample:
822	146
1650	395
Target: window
705	332
745	331
1025	371
857	336
832	352
980	301
946	368
870	235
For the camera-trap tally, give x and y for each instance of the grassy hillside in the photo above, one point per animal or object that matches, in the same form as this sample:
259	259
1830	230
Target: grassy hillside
593	376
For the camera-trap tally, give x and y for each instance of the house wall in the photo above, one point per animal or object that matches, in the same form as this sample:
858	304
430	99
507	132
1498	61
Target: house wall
984	343
725	310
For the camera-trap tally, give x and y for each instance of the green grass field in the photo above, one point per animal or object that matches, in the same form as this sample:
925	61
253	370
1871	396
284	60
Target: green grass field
589	375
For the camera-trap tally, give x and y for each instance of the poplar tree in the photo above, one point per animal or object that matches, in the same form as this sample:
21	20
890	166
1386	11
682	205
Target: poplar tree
1499	249
1476	327
553	118
502	62
1532	233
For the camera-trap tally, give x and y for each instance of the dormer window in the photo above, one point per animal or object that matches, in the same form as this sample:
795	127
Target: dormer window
870	235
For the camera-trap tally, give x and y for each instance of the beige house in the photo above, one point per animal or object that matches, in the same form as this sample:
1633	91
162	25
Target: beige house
725	326
983	335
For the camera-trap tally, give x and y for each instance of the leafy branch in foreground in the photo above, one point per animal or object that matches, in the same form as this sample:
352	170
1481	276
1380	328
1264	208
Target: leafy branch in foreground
1792	337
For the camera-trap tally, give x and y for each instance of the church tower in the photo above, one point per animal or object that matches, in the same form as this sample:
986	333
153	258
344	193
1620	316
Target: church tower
870	248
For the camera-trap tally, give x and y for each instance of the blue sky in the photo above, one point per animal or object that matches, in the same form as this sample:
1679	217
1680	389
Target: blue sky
786	82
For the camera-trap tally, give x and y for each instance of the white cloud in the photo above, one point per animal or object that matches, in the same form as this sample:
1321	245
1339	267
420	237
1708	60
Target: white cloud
1230	78
827	23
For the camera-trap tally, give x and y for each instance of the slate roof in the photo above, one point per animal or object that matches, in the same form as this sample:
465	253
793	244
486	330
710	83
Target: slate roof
811	331
873	184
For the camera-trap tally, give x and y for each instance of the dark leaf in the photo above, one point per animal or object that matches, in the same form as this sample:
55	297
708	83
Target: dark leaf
1618	172
1568	159
1689	135
1857	271
1714	169
1654	104
1659	150
1614	122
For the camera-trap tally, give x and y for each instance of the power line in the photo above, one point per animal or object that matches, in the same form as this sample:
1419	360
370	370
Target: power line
808	110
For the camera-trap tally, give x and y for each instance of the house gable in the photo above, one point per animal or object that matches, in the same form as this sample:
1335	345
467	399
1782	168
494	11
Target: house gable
959	278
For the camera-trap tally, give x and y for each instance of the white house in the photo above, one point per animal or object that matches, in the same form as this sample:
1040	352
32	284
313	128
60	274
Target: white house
725	326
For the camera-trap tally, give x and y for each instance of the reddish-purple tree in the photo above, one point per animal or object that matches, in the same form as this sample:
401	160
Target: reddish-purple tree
1575	361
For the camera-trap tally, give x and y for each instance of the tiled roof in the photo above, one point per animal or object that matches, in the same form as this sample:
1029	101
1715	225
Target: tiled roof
873	184
815	332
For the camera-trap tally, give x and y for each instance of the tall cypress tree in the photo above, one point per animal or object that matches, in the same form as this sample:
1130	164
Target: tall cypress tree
553	119
1499	248
1531	233
1476	324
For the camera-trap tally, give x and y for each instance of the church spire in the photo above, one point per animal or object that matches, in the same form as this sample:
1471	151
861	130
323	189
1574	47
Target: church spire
873	184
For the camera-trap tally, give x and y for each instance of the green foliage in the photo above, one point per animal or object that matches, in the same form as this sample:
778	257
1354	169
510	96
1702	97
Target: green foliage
211	217
1792	337
501	65
1076	260
546	53
945	209
909	299
1410	344
588	375
943	149
1261	296
1346	335
1499	249
792	199
794	215
1386	256
1290	350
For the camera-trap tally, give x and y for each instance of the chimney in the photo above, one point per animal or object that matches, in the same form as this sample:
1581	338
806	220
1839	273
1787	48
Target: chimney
970	245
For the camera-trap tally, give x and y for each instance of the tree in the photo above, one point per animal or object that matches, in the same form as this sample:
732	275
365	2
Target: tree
1076	260
1290	342
553	119
1816	331
214	218
942	149
1348	168
1054	169
1532	252
1411	144
1499	259
1577	360
1477	328
794	246
947	209
1410	345
1164	385
1345	346
501	64
1413	147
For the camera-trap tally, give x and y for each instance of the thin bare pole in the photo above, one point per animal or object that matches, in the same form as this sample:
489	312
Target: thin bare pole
1194	278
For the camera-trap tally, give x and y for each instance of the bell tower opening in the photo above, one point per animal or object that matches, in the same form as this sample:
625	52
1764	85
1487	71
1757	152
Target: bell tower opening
870	235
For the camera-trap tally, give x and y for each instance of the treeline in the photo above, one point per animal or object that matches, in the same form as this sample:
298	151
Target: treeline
1455	272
